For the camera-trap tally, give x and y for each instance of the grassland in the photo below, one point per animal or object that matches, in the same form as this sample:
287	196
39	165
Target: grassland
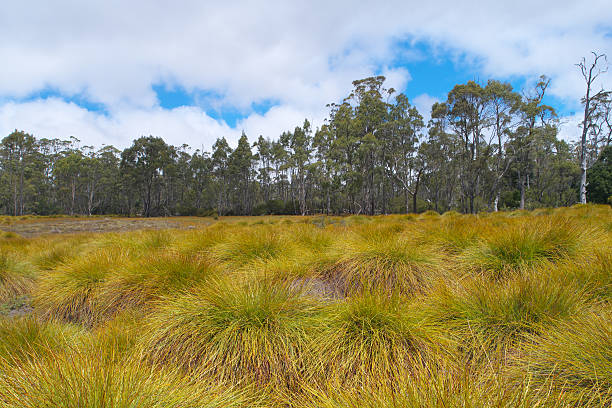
491	310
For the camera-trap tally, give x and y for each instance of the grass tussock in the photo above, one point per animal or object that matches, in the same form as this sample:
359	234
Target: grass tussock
72	292
28	338
79	379
249	245
489	310
145	280
497	315
443	384
368	337
574	357
16	278
234	332
523	244
381	258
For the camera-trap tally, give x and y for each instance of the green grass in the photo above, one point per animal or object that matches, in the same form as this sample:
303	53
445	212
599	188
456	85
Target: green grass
575	357
499	314
235	332
488	310
16	278
368	337
530	242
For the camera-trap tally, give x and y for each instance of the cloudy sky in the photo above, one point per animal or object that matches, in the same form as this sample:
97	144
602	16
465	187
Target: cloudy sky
110	71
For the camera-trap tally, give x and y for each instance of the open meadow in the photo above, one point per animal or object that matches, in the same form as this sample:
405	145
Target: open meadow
509	309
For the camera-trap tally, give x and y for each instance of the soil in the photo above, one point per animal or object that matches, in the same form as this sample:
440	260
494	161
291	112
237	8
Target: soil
40	226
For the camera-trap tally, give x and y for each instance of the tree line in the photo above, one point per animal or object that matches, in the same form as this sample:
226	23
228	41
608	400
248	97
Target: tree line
487	147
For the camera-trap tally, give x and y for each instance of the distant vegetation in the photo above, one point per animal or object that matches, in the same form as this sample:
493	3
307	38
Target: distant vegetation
487	147
511	309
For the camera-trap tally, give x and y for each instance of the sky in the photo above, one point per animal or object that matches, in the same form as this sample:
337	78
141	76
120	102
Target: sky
108	72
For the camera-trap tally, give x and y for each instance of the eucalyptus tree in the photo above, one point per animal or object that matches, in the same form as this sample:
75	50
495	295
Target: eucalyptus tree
535	117
241	167
301	151
405	166
468	117
145	164
503	105
220	171
18	158
590	72
264	170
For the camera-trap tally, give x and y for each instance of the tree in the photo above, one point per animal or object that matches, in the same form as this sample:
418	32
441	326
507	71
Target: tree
220	170
503	103
145	163
534	119
241	166
599	187
18	158
468	117
403	131
300	142
590	72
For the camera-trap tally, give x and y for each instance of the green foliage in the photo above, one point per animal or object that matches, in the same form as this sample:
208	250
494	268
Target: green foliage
599	178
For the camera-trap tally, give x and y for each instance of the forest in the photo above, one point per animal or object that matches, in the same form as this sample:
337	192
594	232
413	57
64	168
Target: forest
488	147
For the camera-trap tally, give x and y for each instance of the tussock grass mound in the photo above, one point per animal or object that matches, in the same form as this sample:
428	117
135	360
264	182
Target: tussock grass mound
79	379
49	254
488	310
198	242
453	234
16	278
235	332
593	274
575	357
524	244
72	292
380	259
443	384
500	314
368	337
146	279
27	338
248	245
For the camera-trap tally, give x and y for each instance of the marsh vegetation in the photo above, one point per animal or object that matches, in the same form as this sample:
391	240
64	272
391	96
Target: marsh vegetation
507	309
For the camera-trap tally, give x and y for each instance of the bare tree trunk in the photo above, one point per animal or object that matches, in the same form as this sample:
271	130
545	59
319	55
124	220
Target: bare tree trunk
589	77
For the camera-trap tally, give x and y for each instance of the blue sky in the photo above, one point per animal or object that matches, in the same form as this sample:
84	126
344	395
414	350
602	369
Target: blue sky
108	72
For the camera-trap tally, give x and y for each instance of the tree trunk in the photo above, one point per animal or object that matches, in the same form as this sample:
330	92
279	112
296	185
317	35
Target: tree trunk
416	191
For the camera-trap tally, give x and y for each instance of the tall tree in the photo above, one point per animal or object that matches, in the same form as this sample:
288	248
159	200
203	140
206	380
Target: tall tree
590	72
145	162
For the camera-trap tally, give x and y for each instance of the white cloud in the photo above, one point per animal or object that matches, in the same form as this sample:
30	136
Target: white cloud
302	55
54	118
570	128
423	103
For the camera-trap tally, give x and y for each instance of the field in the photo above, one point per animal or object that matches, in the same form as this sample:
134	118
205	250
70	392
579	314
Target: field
508	309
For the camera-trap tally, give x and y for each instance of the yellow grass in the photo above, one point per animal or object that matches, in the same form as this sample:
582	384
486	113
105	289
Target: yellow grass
432	310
